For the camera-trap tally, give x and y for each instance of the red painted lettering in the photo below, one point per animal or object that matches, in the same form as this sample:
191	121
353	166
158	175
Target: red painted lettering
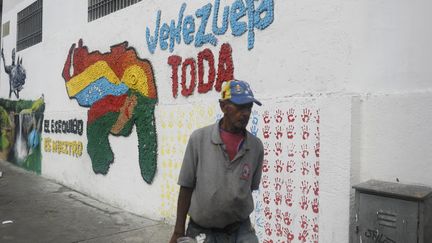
188	91
225	71
207	55
174	61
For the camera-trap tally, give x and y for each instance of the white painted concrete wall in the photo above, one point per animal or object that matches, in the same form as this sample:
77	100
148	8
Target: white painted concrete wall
363	64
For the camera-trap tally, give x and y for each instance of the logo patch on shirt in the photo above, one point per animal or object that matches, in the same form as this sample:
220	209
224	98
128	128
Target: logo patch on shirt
246	170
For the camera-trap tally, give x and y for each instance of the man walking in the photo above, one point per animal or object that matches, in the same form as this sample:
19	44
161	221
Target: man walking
221	166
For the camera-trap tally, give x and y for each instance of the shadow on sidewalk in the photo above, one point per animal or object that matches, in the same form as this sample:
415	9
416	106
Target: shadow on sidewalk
35	209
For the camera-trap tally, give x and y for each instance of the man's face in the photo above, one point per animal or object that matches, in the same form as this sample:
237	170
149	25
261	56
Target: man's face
236	116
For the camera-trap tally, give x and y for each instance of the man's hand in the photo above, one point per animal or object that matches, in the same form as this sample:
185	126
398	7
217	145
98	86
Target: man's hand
175	236
183	204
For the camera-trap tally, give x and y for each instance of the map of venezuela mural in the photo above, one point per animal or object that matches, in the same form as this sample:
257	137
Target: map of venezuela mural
119	88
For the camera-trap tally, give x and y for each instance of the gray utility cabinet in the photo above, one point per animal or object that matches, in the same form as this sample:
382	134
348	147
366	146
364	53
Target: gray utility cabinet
389	212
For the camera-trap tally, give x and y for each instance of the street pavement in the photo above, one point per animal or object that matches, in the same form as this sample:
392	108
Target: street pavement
35	209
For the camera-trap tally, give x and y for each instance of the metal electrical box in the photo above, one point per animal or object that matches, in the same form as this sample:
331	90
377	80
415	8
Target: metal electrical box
389	212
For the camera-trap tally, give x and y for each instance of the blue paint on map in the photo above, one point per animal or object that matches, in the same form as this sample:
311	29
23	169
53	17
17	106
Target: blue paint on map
98	90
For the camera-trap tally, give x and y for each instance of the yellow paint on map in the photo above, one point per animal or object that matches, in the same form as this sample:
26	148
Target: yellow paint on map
94	72
135	78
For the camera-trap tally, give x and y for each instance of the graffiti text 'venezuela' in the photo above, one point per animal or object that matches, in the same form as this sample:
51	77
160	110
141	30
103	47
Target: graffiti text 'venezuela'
241	17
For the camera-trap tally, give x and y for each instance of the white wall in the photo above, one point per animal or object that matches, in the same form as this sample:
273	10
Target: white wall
391	46
399	152
362	64
10	5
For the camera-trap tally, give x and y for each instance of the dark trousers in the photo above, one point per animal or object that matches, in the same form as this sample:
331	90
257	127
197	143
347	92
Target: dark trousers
241	232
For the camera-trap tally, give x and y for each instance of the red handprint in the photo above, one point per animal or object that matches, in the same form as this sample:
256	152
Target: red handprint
317	117
278	166
278	183
278	215
278	198
317	167
290	166
266	197
291	115
304	151
305	168
266	148
317	149
268	229
266	117
268	241
287	218
306	115
266	131
288	199
278	148
317	134
291	151
304	204
267	213
315	225
315	238
265	167
290	132
279	132
290	237
305	129
278	230
303	236
305	187
289	185
315	205
316	188
278	116
288	234
304	222
265	181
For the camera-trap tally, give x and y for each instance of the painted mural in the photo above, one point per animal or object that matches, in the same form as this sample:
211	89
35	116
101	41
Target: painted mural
72	148
225	71
119	89
175	124
241	17
21	128
287	203
16	73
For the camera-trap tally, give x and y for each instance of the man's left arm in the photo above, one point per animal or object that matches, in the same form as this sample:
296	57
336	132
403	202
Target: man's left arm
256	179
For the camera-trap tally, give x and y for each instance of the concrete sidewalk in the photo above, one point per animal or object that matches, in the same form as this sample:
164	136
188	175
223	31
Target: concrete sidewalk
34	209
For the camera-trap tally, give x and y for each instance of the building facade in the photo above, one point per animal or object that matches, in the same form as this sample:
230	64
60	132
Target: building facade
102	95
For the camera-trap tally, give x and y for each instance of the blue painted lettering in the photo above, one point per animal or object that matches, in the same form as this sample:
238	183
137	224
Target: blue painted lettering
202	38
254	18
175	31
238	10
164	35
188	29
152	41
222	30
242	15
267	7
